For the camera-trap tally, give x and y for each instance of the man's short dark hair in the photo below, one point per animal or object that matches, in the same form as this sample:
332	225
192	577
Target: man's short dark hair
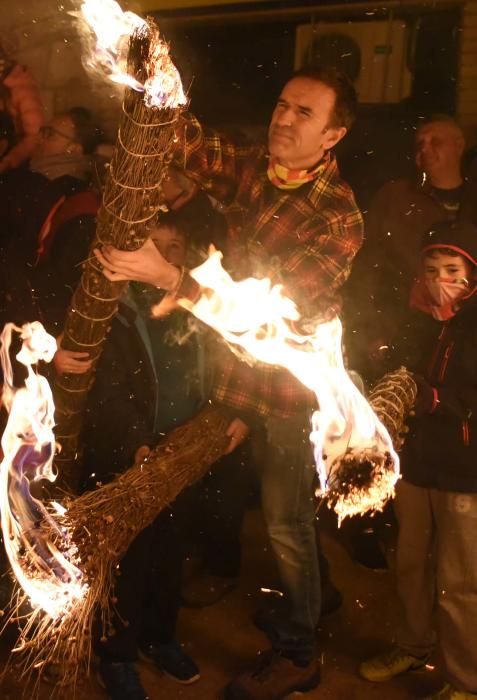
440	118
346	102
86	130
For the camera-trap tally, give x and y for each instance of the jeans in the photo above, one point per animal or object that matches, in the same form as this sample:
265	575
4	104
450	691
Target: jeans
289	509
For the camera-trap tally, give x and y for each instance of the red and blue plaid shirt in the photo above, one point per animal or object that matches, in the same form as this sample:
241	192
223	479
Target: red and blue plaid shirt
304	238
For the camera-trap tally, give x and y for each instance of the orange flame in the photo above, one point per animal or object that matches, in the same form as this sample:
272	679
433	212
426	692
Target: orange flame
258	316
113	28
47	571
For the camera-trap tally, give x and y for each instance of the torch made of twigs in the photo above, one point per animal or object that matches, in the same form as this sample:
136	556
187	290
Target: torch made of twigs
362	481
103	523
131	199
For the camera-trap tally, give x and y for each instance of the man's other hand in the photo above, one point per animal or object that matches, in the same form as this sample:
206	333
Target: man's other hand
145	264
237	432
141	454
69	362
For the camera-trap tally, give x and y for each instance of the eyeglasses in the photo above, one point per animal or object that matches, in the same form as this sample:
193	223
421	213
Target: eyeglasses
48	131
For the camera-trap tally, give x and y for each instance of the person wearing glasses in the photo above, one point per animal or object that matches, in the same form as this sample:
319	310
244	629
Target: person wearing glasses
48	213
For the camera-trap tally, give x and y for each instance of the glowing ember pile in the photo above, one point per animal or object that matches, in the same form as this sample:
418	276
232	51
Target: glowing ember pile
356	461
47	569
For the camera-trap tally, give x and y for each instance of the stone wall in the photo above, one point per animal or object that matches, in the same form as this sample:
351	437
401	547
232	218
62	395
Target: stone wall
43	35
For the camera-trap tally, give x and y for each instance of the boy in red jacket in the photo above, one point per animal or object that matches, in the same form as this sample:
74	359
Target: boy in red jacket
436	499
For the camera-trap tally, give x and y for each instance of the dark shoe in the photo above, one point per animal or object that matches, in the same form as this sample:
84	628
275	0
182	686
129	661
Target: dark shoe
204	590
274	678
121	681
172	660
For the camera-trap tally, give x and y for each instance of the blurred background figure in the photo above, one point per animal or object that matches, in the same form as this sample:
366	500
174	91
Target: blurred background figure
20	98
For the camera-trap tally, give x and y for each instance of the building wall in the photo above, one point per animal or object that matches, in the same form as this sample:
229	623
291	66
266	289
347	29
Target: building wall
44	38
467	84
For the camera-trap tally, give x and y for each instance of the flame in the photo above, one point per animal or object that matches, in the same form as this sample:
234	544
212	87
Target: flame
44	566
346	434
113	29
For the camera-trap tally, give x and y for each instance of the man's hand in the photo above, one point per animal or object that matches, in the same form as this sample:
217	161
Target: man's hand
69	362
145	264
141	454
237	432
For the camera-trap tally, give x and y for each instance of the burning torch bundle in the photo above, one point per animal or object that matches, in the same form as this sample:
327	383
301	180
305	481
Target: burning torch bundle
70	554
131	199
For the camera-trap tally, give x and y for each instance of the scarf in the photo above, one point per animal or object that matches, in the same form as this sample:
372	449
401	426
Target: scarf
53	167
444	301
287	179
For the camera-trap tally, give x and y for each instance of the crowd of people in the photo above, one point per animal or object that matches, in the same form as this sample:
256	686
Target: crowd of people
279	209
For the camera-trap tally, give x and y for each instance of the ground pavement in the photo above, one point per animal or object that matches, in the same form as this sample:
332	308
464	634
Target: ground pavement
223	641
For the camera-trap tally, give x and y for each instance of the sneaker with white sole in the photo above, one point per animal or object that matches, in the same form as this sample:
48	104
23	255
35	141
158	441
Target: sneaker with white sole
383	667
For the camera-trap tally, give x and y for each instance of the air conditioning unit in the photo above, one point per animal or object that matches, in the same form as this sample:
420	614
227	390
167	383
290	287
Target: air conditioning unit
373	54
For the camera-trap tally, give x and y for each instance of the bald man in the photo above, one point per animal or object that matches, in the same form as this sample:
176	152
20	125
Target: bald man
399	215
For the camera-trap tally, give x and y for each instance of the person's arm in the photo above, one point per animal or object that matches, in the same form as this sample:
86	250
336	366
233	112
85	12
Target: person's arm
459	400
217	163
29	107
320	267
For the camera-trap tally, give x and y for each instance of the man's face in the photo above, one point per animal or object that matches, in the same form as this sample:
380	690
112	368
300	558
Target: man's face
170	243
299	133
58	137
439	149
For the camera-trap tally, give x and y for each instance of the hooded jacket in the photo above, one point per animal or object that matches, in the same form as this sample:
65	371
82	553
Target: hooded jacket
137	396
441	447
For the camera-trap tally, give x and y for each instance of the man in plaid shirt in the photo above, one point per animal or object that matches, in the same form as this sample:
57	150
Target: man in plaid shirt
288	212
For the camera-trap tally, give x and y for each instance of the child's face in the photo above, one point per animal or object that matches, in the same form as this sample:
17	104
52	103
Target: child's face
170	243
451	267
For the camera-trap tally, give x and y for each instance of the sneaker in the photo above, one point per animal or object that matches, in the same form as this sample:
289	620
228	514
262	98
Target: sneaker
448	692
273	678
172	660
121	681
205	589
385	666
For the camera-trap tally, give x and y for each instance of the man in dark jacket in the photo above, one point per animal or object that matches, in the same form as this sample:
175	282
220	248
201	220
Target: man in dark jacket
436	500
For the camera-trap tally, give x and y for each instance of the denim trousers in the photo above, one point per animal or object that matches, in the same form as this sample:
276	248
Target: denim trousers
288	477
